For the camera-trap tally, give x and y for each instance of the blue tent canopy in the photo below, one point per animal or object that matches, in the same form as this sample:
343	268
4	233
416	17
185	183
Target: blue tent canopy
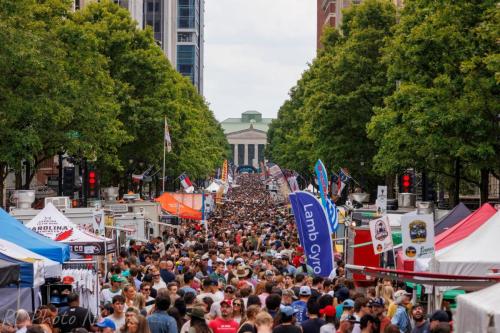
15	232
27	270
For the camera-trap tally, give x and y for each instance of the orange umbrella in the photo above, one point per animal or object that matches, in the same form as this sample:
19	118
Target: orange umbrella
174	207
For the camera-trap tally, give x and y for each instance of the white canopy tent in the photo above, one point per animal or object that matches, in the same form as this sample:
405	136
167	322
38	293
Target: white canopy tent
42	267
213	187
477	254
479	311
51	223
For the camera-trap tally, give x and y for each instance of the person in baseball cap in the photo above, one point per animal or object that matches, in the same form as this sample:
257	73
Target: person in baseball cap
347	309
106	326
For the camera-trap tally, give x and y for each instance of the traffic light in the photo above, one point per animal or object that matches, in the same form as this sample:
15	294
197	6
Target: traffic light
68	181
92	182
407	182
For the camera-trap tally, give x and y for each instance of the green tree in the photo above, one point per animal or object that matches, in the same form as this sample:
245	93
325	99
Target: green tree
331	105
442	116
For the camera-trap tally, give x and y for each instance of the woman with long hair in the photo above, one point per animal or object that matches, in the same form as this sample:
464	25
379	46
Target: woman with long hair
135	324
197	322
239	310
44	318
249	324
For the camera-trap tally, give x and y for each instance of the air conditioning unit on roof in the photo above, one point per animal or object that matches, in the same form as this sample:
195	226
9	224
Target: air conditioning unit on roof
60	202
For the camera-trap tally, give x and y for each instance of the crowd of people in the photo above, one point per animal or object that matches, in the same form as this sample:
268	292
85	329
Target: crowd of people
245	272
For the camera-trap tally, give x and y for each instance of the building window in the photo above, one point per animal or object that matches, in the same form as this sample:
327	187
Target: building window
241	154
261	152
185	37
251	153
186	14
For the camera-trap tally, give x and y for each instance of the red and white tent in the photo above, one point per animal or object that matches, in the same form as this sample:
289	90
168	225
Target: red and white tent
51	223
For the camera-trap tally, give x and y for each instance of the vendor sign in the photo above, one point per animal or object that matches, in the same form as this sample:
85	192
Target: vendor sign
380	230
418	235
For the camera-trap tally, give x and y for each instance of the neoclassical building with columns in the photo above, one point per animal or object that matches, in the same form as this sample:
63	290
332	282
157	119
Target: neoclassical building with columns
248	137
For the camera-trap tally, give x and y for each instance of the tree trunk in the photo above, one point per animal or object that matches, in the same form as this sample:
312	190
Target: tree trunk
456	199
389	181
3	175
28	178
485	183
19	180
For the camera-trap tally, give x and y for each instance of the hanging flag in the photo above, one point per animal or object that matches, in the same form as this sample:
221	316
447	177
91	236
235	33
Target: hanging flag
314	232
344	179
186	183
224	177
142	176
333	215
334	182
168	141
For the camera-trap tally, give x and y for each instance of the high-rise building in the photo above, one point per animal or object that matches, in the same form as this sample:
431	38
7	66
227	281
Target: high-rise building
178	27
329	13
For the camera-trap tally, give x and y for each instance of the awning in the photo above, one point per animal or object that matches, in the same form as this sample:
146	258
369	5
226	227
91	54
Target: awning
435	279
9	273
174	207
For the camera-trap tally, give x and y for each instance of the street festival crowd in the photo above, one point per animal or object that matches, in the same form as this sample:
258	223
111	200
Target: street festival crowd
246	272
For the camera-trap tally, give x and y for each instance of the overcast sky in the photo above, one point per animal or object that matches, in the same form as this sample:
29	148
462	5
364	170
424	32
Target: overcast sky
255	51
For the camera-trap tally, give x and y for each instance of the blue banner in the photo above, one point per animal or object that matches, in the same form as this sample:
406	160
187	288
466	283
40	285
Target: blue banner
312	222
296	213
322	177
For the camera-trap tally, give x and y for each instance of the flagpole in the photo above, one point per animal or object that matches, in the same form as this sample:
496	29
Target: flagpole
164	152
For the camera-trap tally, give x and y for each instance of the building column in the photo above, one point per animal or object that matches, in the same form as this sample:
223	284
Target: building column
235	154
246	154
256	157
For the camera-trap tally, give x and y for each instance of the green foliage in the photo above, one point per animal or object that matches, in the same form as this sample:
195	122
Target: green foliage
445	56
328	110
92	84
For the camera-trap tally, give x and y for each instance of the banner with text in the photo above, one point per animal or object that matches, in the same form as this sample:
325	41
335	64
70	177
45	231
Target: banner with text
312	222
418	235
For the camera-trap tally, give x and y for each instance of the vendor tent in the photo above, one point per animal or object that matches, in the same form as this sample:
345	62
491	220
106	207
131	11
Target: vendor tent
465	227
456	215
478	254
51	223
479	311
213	187
174	207
34	267
15	232
9	273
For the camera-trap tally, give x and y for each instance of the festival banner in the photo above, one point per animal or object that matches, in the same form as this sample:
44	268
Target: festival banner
418	235
296	213
317	242
344	179
322	179
294	185
167	139
380	230
224	172
381	202
276	173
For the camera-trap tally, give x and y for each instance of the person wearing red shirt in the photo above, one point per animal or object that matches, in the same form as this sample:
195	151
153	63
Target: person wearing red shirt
299	252
225	323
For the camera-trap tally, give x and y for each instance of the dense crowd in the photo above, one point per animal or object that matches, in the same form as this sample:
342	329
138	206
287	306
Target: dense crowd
245	272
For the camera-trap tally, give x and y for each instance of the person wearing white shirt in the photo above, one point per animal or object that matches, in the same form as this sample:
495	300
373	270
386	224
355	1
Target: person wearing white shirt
158	283
22	321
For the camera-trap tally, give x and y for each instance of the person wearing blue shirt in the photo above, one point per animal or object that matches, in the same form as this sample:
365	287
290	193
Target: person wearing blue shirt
160	321
300	306
401	318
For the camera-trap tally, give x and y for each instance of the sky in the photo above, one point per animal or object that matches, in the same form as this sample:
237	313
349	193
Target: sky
255	51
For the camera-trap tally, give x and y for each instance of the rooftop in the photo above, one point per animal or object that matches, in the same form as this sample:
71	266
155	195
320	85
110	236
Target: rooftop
248	118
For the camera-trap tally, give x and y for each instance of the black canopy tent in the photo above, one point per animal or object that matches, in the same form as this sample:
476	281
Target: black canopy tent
9	273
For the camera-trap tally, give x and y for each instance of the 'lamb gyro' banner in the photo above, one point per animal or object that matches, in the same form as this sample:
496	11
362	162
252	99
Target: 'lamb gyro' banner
380	230
314	232
418	235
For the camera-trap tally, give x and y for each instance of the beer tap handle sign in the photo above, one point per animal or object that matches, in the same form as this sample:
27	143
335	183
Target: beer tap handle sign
418	235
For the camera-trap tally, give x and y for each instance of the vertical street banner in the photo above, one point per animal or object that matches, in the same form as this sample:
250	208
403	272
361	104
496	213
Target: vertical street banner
168	141
322	178
328	204
418	235
312	222
344	179
380	230
292	181
277	174
224	177
296	213
381	202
